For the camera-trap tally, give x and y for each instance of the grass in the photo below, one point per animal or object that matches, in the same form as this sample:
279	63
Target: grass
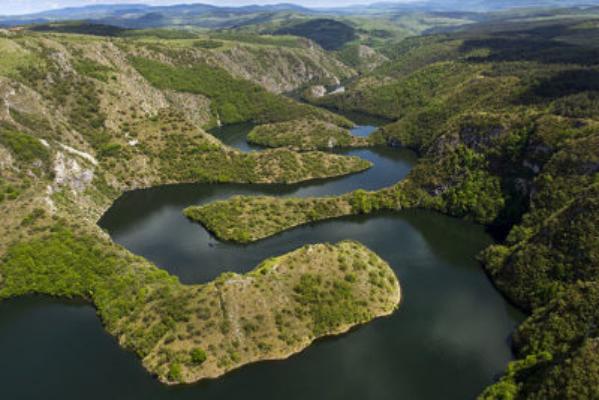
25	148
93	69
9	191
14	57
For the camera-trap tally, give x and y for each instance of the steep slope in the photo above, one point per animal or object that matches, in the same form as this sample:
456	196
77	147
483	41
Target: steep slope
280	64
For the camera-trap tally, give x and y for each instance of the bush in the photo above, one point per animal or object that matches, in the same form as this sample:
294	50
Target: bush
110	150
198	356
92	69
175	372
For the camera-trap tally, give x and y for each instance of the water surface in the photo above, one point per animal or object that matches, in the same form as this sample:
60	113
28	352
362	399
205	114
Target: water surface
235	135
363	130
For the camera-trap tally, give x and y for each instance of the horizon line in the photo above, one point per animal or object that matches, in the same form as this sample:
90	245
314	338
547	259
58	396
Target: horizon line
207	3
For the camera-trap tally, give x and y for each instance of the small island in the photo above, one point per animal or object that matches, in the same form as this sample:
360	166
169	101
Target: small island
306	134
246	219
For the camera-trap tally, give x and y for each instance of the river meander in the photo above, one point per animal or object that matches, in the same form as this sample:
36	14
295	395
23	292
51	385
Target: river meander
448	340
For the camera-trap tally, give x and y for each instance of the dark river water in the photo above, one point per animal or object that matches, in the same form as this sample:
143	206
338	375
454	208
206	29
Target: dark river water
448	340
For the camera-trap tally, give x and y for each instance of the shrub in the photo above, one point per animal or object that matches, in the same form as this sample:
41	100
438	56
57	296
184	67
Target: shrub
175	372
198	356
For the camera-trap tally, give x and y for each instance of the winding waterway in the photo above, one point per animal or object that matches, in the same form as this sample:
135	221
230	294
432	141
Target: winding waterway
448	340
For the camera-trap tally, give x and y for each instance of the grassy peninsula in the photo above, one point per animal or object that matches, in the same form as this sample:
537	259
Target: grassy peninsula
245	219
184	333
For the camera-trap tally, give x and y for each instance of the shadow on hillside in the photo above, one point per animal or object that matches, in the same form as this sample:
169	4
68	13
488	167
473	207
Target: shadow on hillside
562	84
544	51
80	28
545	44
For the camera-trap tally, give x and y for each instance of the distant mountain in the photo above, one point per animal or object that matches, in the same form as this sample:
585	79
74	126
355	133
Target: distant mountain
459	5
135	14
496	5
216	17
91	11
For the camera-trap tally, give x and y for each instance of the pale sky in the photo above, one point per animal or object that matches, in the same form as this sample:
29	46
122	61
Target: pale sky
8	7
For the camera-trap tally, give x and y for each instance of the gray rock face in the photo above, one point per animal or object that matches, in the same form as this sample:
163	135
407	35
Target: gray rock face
318	91
68	172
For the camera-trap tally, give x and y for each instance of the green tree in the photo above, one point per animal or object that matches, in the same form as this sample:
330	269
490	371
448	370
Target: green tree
198	356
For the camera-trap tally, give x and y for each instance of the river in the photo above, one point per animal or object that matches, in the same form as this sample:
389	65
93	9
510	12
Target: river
448	340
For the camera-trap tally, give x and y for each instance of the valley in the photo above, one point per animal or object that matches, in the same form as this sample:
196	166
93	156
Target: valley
232	186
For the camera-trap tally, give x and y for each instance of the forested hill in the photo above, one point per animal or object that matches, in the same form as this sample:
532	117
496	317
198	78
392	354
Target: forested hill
506	119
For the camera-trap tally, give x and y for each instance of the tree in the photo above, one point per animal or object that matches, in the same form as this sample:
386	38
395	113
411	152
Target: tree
198	356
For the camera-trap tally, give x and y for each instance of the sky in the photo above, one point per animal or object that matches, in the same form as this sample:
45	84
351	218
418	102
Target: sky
13	7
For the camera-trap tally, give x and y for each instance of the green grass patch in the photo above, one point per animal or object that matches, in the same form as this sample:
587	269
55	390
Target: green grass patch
92	69
25	148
